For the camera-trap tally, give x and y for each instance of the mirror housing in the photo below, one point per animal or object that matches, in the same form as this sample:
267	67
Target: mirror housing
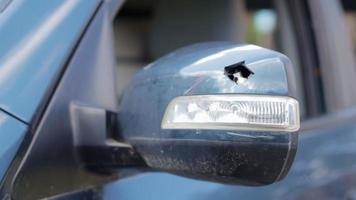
229	154
94	144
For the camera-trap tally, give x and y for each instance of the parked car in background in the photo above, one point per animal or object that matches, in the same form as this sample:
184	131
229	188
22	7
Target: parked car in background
85	84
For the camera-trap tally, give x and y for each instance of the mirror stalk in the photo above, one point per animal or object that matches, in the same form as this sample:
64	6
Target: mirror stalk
97	151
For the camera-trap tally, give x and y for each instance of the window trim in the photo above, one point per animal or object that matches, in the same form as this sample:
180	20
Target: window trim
309	60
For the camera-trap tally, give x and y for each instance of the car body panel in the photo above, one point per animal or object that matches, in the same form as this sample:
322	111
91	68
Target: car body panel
52	156
12	133
33	53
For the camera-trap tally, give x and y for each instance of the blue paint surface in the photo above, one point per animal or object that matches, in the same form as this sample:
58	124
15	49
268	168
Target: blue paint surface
11	135
36	39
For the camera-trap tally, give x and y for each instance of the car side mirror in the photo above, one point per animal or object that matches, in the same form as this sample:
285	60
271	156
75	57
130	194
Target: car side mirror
214	111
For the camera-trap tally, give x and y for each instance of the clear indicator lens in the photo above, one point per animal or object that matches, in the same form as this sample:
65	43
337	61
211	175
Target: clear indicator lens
233	112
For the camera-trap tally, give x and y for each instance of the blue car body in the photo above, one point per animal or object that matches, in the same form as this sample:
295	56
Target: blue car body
38	39
33	51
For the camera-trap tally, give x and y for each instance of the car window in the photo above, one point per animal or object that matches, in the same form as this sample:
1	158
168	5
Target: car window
146	30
